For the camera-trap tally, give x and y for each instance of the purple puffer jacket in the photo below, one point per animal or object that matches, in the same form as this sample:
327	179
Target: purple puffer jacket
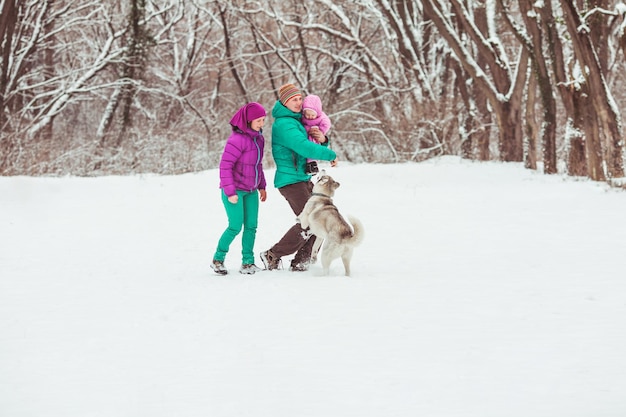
241	166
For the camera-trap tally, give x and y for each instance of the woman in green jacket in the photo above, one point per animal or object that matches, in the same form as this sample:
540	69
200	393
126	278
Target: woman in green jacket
290	149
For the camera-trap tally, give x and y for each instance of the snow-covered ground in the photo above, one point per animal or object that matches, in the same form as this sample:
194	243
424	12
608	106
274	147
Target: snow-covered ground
481	289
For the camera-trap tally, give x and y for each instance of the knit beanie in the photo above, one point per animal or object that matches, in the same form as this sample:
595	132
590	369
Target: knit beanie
245	115
288	91
254	111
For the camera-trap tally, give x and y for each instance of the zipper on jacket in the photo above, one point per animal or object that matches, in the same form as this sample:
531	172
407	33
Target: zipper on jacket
256	166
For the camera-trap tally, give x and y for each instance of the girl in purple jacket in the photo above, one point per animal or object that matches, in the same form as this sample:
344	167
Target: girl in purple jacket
243	183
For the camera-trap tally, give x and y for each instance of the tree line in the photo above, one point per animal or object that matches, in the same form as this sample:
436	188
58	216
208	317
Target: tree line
92	88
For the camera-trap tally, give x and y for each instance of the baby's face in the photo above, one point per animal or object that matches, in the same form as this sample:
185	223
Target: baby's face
309	114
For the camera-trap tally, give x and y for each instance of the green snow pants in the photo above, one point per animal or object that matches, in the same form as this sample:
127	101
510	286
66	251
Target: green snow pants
243	214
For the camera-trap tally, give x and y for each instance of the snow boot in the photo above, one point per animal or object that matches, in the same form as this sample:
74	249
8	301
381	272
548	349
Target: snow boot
270	260
218	267
249	269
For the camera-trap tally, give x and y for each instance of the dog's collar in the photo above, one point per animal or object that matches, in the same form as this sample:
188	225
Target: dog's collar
320	195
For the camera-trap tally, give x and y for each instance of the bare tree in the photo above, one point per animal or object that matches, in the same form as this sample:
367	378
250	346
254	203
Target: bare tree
503	85
602	100
366	81
94	87
136	44
21	25
476	133
531	38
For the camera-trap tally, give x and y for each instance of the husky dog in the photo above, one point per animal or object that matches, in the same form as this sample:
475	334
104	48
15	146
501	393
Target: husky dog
322	216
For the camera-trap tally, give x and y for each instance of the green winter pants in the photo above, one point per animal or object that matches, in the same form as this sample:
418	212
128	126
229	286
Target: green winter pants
243	214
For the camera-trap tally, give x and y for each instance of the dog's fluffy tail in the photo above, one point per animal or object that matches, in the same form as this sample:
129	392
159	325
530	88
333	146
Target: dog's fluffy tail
357	227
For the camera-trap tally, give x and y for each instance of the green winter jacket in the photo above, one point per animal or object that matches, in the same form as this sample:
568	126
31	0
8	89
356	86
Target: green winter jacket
291	147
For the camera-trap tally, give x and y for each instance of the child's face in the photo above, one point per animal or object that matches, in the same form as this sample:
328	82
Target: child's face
257	124
309	114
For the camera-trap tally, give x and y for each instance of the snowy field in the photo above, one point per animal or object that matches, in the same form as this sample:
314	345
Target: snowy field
481	290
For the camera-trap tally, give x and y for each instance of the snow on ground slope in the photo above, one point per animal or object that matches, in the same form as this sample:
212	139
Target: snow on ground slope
481	289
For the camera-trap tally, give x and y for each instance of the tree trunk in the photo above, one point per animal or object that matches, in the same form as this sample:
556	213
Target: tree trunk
575	137
482	136
485	122
107	118
532	41
512	137
532	127
582	139
8	22
504	93
466	125
132	64
48	73
510	144
229	52
589	121
609	118
541	73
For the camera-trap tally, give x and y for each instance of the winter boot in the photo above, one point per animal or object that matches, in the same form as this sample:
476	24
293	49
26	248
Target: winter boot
299	266
249	269
270	260
218	267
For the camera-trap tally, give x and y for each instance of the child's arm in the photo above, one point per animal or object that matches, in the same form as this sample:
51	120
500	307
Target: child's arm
324	123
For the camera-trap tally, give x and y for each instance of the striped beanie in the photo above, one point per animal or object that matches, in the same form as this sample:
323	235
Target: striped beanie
288	91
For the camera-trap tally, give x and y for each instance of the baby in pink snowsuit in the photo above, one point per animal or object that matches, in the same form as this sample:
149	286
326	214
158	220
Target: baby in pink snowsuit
314	118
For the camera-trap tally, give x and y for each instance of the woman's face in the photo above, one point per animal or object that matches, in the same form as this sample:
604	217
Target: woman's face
257	124
295	103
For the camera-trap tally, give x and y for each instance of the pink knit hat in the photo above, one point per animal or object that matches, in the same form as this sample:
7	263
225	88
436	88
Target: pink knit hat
254	111
246	114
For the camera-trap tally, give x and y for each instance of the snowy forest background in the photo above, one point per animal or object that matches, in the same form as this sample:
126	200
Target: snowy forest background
118	87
